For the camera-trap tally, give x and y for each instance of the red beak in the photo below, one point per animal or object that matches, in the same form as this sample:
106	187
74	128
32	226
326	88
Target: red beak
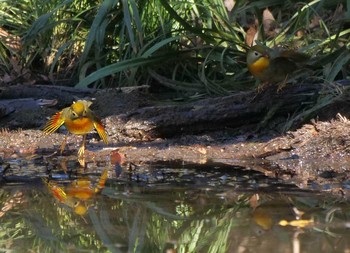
265	54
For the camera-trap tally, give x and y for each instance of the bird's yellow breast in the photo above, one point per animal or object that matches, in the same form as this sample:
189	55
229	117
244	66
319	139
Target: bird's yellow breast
259	67
80	125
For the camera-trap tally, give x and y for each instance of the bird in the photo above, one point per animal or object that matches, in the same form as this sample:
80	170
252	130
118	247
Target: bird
79	119
273	65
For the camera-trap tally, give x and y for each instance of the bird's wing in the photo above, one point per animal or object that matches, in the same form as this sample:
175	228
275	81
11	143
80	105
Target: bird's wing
54	123
283	65
294	56
100	129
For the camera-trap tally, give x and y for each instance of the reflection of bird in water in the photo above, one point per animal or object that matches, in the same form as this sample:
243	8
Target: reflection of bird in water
78	119
77	194
262	218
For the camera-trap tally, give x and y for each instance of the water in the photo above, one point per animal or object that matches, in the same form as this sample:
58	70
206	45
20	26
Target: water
164	207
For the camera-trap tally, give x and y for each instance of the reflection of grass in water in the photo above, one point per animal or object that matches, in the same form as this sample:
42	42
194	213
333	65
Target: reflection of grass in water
142	220
154	223
205	230
209	234
38	224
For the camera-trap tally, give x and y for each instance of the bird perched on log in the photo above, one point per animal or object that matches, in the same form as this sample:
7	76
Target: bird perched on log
78	119
273	65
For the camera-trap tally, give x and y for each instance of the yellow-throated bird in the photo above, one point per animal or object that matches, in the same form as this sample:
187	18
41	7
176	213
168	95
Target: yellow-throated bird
78	119
273	65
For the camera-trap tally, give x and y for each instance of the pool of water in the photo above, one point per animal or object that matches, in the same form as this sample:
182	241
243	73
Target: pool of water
165	207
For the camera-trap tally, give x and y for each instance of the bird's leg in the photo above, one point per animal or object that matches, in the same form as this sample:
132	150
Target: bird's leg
262	86
63	145
282	84
81	150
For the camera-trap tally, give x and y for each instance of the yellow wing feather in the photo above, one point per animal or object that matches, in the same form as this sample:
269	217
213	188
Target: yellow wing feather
54	123
98	125
101	131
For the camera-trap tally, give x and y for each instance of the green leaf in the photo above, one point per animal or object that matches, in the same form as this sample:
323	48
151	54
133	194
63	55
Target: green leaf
95	33
340	62
117	67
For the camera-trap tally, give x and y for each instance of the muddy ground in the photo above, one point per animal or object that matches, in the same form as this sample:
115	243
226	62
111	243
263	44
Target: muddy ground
315	156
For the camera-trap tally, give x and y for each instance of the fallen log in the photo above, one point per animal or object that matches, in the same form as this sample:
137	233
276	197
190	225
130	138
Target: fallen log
64	95
236	110
129	117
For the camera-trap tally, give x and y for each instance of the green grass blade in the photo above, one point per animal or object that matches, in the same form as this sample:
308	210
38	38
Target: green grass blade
96	26
117	67
159	45
337	66
128	24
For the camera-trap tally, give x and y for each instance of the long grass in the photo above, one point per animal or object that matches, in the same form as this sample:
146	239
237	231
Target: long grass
192	47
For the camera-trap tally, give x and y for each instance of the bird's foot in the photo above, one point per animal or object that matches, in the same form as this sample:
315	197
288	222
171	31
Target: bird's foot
281	85
81	156
81	152
63	145
81	161
262	86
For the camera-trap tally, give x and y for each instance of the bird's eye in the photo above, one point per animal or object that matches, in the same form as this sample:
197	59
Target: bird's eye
256	53
74	114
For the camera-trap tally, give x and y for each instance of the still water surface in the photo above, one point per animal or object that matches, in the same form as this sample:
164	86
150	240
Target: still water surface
167	207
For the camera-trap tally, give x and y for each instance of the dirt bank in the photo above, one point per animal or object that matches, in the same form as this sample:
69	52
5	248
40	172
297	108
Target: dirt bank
315	156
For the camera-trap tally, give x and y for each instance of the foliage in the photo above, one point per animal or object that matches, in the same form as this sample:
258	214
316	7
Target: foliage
190	46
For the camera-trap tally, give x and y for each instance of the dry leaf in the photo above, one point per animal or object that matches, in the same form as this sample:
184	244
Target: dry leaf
251	35
11	41
271	28
116	157
254	201
229	4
